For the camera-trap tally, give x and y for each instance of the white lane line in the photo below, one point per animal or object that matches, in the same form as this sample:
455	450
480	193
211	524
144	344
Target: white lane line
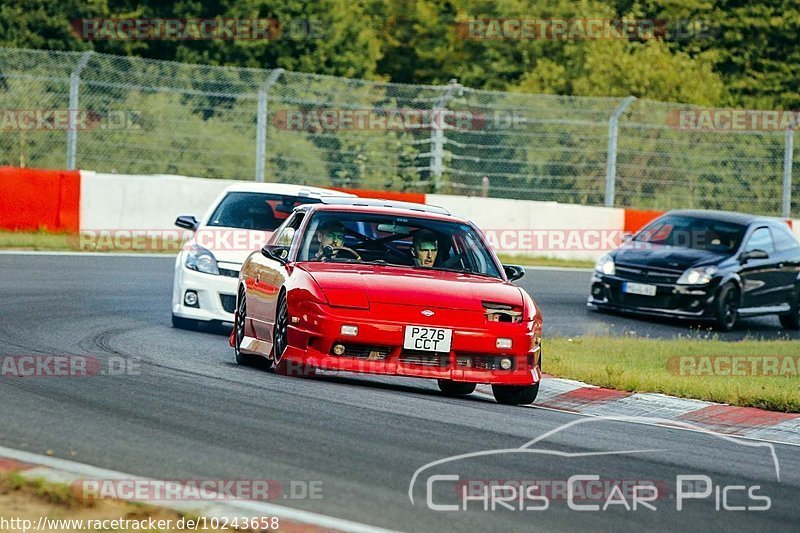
88	254
63	469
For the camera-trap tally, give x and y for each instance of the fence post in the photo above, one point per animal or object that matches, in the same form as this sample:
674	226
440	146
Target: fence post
788	154
74	88
611	160
437	134
261	123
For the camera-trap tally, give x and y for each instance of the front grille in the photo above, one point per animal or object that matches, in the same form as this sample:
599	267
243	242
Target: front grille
481	362
228	272
647	274
228	302
416	357
365	351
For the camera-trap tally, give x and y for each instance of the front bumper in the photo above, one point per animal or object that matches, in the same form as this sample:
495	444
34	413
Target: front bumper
682	301
473	356
216	294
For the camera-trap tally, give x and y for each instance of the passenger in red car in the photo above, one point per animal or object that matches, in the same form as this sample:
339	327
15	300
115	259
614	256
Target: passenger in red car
424	248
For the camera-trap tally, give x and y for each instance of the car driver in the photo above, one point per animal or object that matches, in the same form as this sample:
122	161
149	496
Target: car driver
424	248
330	234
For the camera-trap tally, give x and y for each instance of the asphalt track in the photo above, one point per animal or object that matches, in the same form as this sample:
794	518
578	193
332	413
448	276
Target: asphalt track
188	412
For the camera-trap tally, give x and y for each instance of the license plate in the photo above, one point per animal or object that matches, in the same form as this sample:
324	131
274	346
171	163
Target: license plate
639	288
427	339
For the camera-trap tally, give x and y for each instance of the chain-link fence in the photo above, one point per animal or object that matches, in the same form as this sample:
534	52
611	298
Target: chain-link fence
133	115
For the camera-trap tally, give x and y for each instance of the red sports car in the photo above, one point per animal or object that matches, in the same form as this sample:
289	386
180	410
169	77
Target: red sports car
393	288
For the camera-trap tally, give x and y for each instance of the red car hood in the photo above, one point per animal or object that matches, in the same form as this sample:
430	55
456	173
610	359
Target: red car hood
351	285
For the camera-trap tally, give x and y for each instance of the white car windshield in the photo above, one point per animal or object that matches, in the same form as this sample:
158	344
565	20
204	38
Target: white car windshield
255	210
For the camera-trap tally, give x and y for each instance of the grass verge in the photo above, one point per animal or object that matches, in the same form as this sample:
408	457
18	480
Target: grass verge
61	242
748	373
39	241
29	499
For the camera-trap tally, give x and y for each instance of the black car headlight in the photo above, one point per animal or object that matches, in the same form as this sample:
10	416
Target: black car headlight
697	276
201	260
605	265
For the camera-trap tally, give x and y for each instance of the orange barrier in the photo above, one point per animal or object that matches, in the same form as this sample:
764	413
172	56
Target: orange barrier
414	197
636	219
32	199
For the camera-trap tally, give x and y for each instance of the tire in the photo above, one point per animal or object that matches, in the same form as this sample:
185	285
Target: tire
185	323
791	320
455	388
513	395
726	307
238	333
279	334
281	342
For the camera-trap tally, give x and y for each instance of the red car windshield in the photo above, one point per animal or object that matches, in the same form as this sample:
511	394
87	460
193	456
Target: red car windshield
401	241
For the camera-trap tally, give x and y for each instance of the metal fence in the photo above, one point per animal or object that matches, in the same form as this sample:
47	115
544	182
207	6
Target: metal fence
133	115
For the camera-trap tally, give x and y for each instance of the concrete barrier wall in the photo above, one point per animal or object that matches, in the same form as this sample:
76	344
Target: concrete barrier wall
49	199
514	227
550	229
119	201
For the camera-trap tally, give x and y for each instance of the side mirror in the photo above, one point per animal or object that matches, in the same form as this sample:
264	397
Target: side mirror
753	254
187	222
514	272
278	253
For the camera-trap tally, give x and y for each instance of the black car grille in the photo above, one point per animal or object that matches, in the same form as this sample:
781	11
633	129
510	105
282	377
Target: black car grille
416	357
228	272
228	302
647	274
365	351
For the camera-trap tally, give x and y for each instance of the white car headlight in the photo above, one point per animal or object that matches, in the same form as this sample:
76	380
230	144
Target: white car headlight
201	260
606	265
697	276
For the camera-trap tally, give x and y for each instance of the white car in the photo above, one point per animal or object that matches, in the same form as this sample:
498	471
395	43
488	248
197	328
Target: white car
240	221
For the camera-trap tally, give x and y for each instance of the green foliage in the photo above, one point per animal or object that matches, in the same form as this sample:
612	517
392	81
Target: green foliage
202	121
748	55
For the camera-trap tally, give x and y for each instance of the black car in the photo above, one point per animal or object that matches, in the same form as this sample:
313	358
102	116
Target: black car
709	265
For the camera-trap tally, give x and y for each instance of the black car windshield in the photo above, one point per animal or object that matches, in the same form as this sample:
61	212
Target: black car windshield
693	232
392	240
255	210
